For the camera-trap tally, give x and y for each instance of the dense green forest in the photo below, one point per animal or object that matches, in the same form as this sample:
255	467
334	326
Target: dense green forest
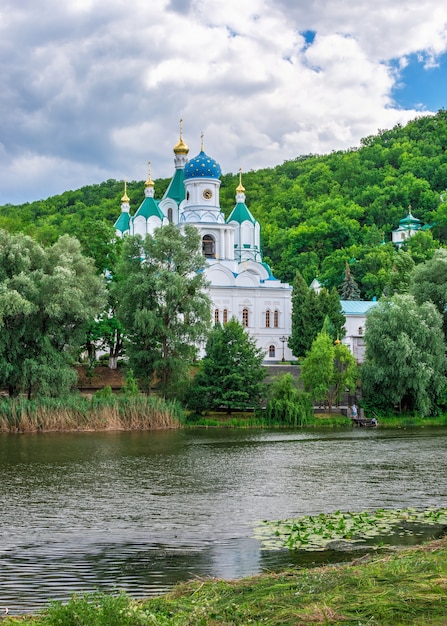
317	212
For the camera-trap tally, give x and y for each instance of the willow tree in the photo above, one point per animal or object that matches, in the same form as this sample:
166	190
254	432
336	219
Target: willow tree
163	305
405	365
47	295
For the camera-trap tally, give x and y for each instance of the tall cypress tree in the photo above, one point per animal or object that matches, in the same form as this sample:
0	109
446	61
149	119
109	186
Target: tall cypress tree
299	302
309	310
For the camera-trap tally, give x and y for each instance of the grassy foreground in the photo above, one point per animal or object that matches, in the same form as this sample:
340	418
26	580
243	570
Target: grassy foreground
405	587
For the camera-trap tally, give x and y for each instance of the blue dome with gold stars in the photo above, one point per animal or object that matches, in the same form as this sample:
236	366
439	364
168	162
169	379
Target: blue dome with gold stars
202	166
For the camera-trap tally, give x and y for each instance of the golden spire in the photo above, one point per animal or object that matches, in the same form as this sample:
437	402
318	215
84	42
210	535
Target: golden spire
125	197
181	147
240	188
201	142
149	182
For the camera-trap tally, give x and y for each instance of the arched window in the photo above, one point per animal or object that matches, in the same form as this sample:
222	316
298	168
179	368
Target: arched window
225	316
208	247
216	316
245	317
272	352
276	318
267	319
170	215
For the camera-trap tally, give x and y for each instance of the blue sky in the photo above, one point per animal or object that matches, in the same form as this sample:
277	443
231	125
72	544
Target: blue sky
422	87
94	89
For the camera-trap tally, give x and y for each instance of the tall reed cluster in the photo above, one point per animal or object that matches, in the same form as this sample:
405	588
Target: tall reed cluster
77	413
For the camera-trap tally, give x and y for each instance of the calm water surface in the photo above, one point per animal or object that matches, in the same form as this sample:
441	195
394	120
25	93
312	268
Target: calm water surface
142	511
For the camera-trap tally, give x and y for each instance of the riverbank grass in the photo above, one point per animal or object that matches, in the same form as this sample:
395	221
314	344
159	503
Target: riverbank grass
405	587
78	413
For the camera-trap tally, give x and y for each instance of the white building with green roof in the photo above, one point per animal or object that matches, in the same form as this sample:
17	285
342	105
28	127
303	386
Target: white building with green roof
241	284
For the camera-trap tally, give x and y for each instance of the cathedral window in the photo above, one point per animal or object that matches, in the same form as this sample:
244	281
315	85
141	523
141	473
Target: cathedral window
276	319
245	318
208	247
225	316
272	352
170	215
216	316
267	319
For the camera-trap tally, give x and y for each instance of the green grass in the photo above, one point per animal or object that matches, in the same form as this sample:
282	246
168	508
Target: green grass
406	587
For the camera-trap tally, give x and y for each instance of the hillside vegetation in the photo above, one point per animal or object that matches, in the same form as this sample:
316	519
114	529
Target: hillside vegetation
316	212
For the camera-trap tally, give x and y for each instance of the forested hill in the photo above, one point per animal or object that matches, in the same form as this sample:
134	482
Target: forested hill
316	212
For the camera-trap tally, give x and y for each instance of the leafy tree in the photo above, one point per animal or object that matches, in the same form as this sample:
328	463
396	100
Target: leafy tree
287	404
99	242
349	290
46	297
231	373
163	305
421	246
400	275
429	283
404	364
328	369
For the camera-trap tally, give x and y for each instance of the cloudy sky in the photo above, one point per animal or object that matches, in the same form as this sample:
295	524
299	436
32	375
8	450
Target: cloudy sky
93	89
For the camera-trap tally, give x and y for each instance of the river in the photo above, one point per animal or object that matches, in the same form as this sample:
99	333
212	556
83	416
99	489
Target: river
142	511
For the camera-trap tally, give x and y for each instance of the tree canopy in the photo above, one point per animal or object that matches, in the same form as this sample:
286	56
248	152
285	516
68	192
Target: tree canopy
405	356
47	295
162	304
316	211
328	370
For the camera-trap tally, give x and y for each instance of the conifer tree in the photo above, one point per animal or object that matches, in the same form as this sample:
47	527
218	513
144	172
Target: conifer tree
299	297
231	374
349	290
309	310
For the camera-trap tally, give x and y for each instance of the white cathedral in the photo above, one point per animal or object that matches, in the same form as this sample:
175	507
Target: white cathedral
241	285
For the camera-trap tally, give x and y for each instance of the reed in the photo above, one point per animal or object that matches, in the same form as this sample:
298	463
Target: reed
77	413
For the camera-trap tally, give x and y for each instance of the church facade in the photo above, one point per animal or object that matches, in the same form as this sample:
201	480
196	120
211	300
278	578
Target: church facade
241	285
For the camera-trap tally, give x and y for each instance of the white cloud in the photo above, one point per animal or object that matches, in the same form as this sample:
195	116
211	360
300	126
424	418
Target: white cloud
96	89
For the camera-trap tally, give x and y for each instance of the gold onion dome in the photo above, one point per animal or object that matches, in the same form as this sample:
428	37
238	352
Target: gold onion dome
181	147
240	188
125	197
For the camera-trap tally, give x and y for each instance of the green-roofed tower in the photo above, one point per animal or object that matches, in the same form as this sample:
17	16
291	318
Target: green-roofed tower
247	234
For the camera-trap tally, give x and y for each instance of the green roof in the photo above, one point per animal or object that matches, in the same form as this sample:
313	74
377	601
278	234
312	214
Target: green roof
410	220
240	214
122	223
149	208
356	307
176	188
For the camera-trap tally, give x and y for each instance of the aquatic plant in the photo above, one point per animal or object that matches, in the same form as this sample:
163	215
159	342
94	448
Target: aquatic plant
317	532
103	411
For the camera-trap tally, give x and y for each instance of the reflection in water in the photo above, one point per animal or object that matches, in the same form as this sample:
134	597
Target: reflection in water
142	511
